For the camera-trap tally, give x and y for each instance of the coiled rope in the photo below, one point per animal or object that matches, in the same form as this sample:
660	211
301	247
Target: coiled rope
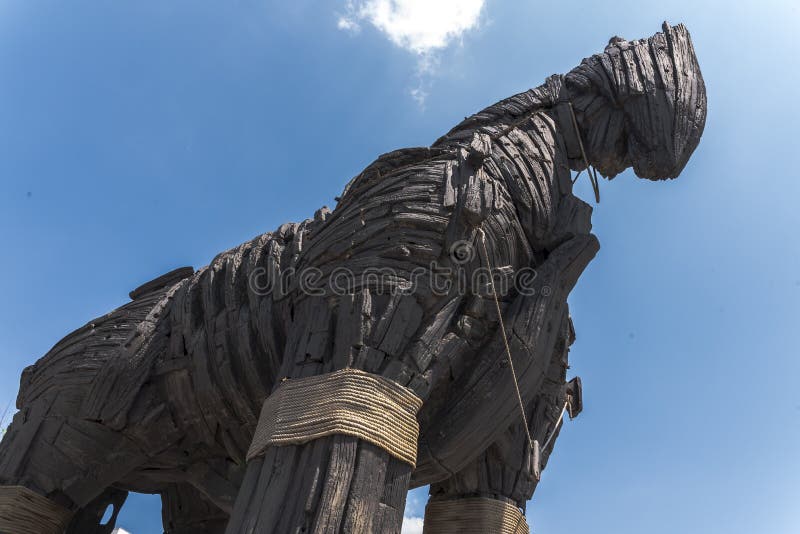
23	511
348	401
473	515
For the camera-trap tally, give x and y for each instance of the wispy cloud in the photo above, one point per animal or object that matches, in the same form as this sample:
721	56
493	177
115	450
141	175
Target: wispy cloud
422	27
348	24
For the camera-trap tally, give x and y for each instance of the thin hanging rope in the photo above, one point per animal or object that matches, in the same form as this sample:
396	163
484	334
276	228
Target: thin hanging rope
505	340
592	177
556	426
3	418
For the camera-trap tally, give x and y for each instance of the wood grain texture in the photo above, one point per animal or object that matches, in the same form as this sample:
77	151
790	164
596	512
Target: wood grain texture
163	394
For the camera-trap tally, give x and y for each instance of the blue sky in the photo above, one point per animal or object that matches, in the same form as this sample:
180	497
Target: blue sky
137	137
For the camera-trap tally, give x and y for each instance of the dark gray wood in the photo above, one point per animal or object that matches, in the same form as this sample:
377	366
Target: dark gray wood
187	511
89	520
163	394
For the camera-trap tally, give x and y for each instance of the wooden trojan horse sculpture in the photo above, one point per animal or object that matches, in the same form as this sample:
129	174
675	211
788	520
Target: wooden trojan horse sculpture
417	334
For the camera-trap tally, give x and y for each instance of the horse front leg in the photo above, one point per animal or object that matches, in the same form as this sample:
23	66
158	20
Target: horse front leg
333	484
489	495
341	481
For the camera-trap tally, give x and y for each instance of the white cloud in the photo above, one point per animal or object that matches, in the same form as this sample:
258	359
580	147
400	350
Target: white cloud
412	525
423	27
123	531
420	26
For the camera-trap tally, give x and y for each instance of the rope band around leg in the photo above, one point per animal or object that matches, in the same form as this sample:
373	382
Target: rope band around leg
23	511
349	401
474	515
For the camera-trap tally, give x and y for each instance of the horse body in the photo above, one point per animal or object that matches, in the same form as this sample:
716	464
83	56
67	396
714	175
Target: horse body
178	375
163	395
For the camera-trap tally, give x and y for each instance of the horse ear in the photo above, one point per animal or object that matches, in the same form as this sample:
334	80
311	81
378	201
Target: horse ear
615	40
